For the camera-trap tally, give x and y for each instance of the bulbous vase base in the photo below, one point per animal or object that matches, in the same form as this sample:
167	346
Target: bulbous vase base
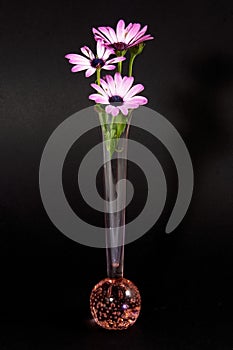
115	303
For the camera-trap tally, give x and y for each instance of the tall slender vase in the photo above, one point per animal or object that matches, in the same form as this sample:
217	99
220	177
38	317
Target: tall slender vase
115	301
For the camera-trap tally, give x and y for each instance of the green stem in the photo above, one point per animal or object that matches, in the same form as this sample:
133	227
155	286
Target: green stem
98	76
131	61
120	66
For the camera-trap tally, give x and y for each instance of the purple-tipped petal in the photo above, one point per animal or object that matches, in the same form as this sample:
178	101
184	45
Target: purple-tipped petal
120	30
141	40
109	67
87	52
131	105
77	59
132	32
105	34
78	68
123	109
89	72
126	85
147	37
98	35
141	32
98	98
109	109
140	100
107	53
118	81
129	26
116	59
70	56
111	84
74	58
100	49
133	91
105	87
112	34
81	62
95	31
99	89
115	111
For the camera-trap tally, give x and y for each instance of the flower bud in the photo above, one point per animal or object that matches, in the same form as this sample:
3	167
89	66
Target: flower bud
136	50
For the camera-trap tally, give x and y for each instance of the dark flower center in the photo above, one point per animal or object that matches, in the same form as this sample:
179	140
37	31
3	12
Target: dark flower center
119	46
117	100
97	63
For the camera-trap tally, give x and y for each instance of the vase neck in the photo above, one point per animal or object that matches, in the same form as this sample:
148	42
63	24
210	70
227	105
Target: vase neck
115	173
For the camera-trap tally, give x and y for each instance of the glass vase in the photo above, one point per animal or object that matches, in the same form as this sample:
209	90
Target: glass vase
115	301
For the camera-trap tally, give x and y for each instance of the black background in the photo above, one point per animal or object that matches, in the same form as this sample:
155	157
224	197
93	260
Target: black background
185	278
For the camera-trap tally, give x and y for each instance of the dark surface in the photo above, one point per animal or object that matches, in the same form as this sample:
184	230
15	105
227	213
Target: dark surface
185	278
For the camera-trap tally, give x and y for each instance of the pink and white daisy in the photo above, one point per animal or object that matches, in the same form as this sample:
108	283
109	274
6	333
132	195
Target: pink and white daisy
124	37
92	62
118	94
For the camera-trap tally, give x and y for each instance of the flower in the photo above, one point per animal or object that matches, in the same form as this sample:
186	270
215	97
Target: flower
123	38
118	94
91	63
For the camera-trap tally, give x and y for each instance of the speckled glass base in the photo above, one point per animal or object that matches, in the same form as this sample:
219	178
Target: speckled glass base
115	303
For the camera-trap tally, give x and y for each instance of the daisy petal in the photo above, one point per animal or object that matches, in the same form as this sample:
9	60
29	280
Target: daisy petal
107	53
120	30
105	31
140	100
115	111
131	105
105	87
89	72
99	89
129	26
140	33
140	40
132	32
118	82
109	67
116	59
74	59
98	98
98	35
109	109
112	34
123	109
78	68
126	85
100	49
87	52
118	78
111	84
133	91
